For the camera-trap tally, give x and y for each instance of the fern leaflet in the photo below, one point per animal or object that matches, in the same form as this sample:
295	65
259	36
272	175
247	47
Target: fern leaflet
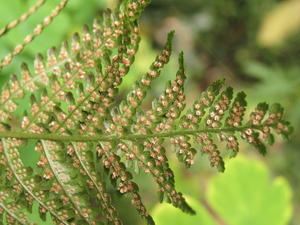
77	125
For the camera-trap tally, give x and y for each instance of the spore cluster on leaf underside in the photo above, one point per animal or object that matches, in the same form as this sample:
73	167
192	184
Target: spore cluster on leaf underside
78	127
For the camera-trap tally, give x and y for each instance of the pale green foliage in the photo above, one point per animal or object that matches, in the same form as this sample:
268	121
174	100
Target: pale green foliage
78	126
245	194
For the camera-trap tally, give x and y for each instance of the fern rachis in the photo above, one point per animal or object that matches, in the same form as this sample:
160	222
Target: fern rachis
78	126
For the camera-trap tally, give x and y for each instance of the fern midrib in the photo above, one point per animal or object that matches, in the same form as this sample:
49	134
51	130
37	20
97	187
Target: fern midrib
110	137
13	215
108	207
56	173
26	189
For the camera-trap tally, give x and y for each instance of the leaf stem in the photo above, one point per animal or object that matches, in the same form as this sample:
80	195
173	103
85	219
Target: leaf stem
80	138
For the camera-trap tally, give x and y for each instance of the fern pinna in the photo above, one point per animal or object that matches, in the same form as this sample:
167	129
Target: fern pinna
77	125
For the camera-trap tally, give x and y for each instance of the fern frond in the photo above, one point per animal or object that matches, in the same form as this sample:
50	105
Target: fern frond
29	38
76	125
22	18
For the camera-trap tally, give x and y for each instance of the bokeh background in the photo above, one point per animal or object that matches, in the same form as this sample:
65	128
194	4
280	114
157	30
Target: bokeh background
254	44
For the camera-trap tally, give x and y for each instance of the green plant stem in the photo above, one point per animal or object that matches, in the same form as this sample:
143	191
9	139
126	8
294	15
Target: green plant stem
79	138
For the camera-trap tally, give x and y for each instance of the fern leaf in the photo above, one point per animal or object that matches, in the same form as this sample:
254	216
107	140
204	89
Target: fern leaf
38	29
77	126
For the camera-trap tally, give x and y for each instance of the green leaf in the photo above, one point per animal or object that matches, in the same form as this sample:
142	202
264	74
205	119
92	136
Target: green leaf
167	214
246	195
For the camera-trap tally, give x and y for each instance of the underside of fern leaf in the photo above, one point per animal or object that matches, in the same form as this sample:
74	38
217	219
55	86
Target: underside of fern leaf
77	125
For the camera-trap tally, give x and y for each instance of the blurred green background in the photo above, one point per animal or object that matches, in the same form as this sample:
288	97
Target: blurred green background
254	44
